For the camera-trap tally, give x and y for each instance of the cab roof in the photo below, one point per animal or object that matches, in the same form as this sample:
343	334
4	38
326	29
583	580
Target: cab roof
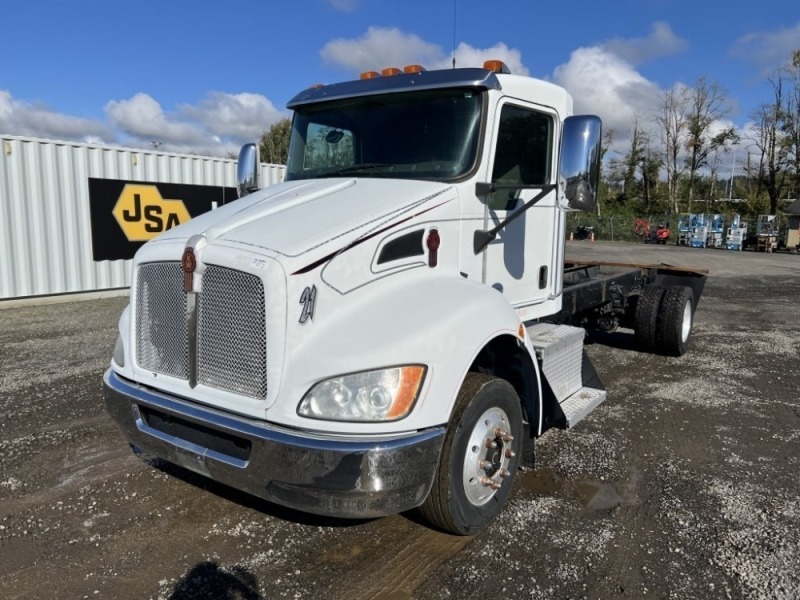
481	78
445	78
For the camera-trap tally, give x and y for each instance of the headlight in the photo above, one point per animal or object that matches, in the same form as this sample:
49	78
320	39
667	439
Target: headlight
382	395
119	353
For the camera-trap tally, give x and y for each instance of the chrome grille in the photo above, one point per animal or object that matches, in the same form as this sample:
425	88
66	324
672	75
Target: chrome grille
161	330
231	338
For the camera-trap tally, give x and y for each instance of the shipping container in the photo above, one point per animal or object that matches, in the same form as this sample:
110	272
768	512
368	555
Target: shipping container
73	214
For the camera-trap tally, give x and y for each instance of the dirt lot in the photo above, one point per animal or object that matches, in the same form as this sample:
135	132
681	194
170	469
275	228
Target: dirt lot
684	484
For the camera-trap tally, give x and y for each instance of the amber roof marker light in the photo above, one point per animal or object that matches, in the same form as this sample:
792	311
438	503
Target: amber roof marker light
412	69
370	75
497	66
389	71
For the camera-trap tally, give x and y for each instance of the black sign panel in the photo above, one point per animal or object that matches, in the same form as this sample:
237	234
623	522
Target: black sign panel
126	214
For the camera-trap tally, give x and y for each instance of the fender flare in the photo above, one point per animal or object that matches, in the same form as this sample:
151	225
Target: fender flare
441	323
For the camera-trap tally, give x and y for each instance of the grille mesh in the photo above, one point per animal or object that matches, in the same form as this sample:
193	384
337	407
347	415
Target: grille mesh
232	353
161	330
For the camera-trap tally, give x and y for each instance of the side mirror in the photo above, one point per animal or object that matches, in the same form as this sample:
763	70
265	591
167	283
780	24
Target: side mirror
247	170
580	162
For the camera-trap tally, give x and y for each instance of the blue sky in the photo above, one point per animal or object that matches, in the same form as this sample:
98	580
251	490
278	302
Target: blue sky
207	76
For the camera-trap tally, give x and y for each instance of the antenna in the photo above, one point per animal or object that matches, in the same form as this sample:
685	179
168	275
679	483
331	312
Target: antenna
454	34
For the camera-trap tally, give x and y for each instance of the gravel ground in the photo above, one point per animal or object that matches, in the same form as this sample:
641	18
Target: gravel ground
683	484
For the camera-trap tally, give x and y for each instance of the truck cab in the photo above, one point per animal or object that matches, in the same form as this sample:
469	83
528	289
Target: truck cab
384	330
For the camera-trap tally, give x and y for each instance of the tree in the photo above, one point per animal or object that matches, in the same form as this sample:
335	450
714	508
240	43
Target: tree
707	106
769	124
274	144
633	160
605	144
650	169
792	121
672	123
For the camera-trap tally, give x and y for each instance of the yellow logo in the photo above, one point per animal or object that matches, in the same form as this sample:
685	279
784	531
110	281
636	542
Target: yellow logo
142	213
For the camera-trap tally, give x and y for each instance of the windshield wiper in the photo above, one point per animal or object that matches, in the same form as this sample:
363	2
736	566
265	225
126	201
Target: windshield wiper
356	168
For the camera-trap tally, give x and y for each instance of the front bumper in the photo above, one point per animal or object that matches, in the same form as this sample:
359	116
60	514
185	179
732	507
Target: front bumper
337	477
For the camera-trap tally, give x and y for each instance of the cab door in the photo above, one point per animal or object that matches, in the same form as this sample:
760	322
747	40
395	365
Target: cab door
520	261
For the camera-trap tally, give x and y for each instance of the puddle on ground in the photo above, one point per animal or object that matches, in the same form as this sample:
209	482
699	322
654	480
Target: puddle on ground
594	495
541	481
597	495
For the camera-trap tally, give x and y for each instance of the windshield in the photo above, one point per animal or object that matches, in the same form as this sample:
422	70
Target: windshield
415	135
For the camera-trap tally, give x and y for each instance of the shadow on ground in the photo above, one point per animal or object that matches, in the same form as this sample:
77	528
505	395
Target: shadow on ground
207	580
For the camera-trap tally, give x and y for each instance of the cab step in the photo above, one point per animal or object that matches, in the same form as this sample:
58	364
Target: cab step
581	403
559	348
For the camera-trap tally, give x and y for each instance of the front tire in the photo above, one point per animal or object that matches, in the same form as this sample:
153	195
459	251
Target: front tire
479	459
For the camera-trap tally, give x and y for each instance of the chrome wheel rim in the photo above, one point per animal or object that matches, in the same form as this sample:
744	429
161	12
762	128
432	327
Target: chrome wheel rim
488	456
686	328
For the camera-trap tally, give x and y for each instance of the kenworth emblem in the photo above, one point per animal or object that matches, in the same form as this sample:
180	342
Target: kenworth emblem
188	265
308	300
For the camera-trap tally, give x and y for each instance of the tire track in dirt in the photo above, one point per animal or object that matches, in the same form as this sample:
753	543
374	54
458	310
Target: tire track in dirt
404	556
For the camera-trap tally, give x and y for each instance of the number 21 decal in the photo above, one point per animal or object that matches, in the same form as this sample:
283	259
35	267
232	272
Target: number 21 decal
308	300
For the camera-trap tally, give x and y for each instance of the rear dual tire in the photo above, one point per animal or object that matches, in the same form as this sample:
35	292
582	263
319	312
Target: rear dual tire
645	319
675	321
663	319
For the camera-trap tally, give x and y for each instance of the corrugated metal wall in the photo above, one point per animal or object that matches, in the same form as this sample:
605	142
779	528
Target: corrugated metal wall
45	229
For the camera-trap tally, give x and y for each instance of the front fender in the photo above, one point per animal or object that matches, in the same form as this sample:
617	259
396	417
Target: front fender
442	323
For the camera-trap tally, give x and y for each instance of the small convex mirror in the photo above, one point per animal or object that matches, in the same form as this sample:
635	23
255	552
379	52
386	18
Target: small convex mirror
247	170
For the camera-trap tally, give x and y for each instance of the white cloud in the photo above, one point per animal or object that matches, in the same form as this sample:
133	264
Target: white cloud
242	117
768	50
143	118
217	125
18	117
467	56
604	84
661	41
382	47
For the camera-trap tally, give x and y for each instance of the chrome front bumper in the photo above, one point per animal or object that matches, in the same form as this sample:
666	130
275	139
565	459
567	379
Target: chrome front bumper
337	477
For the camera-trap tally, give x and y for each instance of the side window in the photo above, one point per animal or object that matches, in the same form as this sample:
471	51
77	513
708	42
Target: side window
522	155
327	147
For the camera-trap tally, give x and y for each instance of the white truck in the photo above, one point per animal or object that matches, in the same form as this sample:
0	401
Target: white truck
392	326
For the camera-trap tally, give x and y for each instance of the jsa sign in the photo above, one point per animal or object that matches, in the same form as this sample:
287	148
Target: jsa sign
126	214
142	213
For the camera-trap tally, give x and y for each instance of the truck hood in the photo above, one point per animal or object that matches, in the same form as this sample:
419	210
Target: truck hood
294	218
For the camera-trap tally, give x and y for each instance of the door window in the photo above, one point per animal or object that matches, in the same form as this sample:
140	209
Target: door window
522	155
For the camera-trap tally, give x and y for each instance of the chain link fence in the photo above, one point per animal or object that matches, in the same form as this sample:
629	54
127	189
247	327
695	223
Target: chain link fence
619	228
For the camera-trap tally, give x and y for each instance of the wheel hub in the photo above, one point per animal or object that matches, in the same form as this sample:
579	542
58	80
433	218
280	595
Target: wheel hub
488	456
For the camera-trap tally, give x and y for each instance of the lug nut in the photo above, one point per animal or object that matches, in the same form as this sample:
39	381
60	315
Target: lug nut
510	453
503	435
490	443
503	473
487	482
485	464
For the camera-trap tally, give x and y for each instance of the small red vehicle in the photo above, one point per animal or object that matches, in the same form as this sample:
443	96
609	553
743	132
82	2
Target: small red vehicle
659	235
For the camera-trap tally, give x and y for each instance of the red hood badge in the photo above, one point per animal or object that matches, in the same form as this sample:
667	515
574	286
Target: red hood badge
188	265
